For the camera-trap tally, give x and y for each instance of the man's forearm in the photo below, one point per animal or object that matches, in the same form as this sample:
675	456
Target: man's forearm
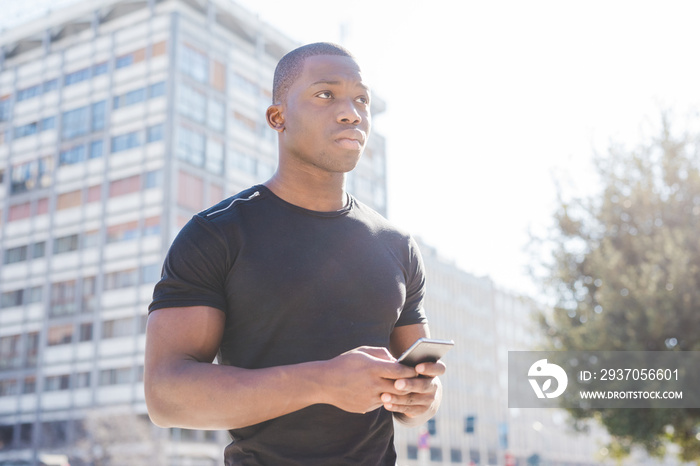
200	395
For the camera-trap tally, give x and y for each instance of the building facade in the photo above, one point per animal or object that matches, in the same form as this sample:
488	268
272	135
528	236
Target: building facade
118	121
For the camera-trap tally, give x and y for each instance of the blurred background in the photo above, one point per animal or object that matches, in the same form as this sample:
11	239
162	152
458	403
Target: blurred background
500	130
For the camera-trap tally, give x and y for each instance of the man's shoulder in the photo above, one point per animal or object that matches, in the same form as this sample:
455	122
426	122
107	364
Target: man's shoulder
381	224
230	206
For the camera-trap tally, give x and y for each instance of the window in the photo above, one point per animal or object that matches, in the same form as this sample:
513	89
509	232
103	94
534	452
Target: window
47	123
30	175
411	452
26	130
150	273
194	64
9	387
89	295
154	133
122	232
54	383
121	279
215	157
244	84
91	239
124	61
216	115
98	115
435	454
115	376
96	148
77	76
126	141
51	85
11	298
82	380
28	93
60	335
152	179
85	332
456	456
241	161
38	250
34	294
192	104
10	355
26	433
16	254
151	226
32	346
100	68
5	108
29	385
118	328
75	123
71	156
63	296
431	426
190	147
469	424
130	98
65	244
156	90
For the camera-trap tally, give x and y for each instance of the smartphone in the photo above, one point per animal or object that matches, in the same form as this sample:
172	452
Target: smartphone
425	350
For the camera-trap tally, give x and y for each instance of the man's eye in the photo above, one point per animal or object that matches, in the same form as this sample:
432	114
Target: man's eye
325	95
363	100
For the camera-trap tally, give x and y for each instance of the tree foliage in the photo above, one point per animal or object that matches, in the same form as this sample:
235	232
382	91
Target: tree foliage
625	275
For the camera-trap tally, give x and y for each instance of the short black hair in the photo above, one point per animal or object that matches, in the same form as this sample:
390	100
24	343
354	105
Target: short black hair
290	66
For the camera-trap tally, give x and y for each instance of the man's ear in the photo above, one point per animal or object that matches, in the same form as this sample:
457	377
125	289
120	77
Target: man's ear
275	118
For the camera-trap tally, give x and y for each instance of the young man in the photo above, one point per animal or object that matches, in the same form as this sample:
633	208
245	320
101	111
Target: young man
305	295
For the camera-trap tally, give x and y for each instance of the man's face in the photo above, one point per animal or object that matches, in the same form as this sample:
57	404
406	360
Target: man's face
326	115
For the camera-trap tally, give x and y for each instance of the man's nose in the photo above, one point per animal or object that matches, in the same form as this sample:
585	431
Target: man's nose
348	113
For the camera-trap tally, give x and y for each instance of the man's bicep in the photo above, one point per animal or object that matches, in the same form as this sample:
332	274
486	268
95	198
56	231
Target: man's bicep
184	333
403	337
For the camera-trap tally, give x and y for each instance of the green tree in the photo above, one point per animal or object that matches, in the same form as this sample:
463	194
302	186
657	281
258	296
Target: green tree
624	274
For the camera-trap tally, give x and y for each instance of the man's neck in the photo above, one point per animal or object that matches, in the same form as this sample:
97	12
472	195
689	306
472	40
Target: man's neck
320	195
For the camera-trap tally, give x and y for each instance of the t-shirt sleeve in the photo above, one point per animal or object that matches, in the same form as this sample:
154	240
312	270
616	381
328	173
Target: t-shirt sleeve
413	311
195	269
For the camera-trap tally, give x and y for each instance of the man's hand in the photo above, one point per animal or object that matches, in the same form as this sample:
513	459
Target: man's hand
356	380
413	397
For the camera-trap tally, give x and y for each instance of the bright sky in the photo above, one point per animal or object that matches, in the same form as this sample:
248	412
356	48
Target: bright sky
489	102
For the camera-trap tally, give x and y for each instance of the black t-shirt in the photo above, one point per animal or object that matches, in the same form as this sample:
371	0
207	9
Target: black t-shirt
296	286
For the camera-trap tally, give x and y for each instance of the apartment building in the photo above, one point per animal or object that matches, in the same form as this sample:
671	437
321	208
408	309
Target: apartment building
118	121
474	425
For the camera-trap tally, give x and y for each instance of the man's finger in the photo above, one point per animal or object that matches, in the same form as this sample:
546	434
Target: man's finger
431	369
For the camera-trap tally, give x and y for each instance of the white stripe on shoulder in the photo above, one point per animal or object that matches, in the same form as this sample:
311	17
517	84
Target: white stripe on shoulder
252	196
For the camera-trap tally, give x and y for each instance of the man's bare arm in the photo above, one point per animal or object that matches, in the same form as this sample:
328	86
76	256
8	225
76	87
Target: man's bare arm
420	397
184	389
